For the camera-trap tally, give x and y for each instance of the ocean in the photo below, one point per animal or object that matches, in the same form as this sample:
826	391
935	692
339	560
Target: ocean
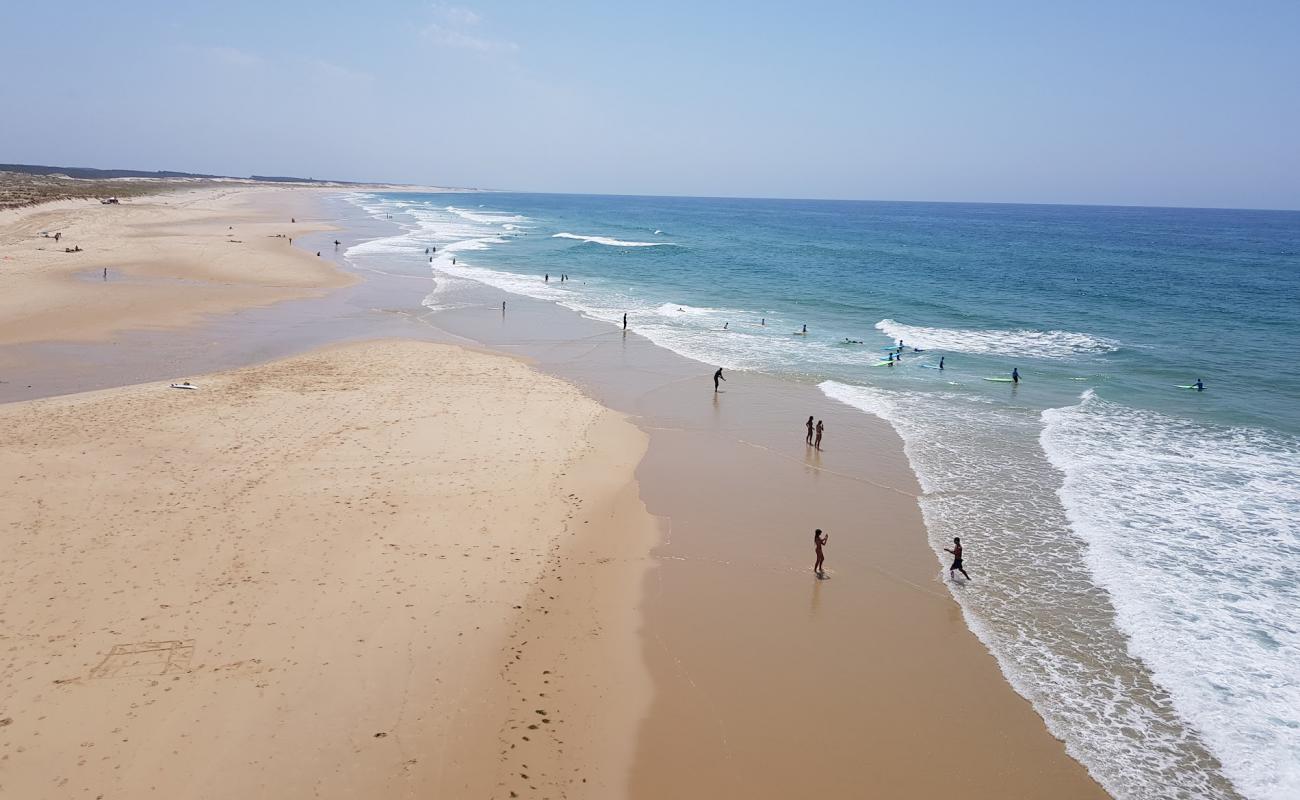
1133	543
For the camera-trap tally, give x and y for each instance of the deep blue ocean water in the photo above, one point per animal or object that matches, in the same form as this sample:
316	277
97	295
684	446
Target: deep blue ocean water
1136	540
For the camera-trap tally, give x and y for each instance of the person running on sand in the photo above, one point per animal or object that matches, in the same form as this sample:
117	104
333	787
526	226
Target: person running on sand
818	442
819	541
810	429
956	559
717	376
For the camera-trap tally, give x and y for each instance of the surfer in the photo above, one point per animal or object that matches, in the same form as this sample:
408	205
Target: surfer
819	541
809	424
805	329
724	325
1015	375
956	559
1199	386
717	376
546	278
818	443
900	344
763	322
941	362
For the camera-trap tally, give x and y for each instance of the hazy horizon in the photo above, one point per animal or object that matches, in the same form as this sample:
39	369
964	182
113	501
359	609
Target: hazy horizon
1180	105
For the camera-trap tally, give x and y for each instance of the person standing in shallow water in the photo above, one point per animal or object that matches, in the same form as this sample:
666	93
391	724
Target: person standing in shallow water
810	430
956	559
818	442
717	376
819	541
624	320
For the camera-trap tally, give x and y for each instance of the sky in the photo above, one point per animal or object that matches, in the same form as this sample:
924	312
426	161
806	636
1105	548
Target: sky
1132	103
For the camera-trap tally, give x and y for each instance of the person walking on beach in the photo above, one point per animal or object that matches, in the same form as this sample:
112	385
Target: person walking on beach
624	320
819	541
956	559
809	424
1015	375
503	306
818	442
105	273
717	376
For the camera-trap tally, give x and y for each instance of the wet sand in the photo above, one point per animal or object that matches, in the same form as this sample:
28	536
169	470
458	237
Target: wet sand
769	682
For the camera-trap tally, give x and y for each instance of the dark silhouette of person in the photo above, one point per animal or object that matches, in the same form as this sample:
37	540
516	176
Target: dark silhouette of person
956	559
819	541
624	320
941	362
717	376
1015	375
809	424
817	443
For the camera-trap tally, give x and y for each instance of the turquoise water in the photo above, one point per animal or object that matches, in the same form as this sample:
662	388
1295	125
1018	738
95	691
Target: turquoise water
1133	540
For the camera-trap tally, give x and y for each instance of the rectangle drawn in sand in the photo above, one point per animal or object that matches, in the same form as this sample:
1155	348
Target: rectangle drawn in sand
144	659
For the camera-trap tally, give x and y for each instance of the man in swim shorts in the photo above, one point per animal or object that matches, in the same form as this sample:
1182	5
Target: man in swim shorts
956	559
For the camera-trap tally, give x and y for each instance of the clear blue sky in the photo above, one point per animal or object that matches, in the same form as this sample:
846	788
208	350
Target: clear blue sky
1162	103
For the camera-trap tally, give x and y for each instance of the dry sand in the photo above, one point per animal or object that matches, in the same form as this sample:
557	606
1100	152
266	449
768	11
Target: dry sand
392	569
170	258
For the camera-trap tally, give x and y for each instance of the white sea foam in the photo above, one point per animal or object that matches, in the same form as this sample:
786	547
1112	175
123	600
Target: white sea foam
985	478
605	240
1192	530
1037	344
486	217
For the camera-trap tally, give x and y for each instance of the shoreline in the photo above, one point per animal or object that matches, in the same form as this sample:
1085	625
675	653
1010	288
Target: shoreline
584	353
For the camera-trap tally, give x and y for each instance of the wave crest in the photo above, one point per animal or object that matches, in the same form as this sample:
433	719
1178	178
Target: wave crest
1041	344
605	240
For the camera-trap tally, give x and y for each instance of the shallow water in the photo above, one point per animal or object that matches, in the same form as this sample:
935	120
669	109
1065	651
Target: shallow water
1129	539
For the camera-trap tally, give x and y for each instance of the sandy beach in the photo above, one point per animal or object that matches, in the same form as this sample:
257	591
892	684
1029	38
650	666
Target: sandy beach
399	568
322	577
170	258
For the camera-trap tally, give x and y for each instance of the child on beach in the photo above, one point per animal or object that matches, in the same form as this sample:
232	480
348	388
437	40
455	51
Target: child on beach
819	541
